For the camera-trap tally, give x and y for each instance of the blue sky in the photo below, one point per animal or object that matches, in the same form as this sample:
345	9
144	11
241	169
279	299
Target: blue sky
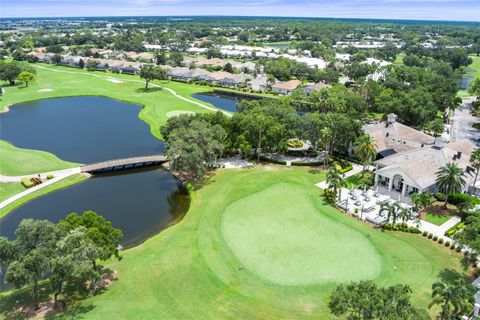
465	10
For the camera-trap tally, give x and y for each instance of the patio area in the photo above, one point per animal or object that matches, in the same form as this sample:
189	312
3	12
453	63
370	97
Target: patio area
366	204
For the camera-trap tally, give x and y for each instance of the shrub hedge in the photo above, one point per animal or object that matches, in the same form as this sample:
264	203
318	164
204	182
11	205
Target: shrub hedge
458	198
400	227
450	232
439	196
27	183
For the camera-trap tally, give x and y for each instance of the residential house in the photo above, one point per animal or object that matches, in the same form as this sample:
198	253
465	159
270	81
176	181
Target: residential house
316	87
70	61
286	87
193	74
236	80
130	70
215	77
177	73
259	84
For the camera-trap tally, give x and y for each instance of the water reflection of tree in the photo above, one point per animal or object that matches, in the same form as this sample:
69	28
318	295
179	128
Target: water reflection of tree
179	202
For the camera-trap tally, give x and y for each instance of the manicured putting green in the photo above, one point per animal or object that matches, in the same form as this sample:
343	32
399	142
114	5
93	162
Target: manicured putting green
279	235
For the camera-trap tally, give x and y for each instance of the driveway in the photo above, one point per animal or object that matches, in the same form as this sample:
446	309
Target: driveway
462	125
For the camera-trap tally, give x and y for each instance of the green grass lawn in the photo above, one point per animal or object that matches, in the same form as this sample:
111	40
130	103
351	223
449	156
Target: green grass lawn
9	189
399	58
437	219
475	65
260	243
16	161
279	44
436	214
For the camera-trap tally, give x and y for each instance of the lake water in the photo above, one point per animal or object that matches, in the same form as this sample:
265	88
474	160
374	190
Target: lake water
221	101
140	203
86	130
80	129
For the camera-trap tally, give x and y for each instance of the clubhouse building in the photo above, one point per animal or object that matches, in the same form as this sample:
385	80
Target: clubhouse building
408	159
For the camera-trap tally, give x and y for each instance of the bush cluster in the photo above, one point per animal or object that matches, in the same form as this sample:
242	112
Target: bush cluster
400	227
458	198
440	196
344	164
27	183
450	232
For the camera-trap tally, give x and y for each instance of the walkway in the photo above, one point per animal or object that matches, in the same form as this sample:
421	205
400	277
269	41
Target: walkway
58	175
228	114
438	231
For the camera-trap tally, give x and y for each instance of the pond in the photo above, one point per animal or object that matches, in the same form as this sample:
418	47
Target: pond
86	130
139	202
80	129
221	101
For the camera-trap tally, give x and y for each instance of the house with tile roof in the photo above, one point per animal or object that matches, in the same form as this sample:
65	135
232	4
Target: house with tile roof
286	87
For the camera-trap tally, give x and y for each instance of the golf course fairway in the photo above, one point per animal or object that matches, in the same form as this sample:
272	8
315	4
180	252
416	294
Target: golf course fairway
227	259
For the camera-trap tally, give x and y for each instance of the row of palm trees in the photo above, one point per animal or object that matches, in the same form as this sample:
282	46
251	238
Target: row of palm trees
394	211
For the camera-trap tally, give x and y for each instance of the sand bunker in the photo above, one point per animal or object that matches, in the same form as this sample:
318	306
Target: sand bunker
45	90
114	80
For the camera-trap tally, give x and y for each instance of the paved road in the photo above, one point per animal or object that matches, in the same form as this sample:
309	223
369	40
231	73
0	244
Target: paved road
462	122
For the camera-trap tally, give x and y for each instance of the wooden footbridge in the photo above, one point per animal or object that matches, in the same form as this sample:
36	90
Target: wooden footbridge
124	164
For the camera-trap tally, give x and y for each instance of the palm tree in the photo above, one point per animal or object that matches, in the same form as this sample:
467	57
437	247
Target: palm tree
325	140
404	214
457	294
475	162
450	179
421	201
335	180
391	210
366	150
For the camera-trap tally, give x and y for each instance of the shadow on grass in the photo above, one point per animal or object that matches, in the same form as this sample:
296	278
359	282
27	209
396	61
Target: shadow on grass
18	304
74	312
149	90
11	303
449	275
316	171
